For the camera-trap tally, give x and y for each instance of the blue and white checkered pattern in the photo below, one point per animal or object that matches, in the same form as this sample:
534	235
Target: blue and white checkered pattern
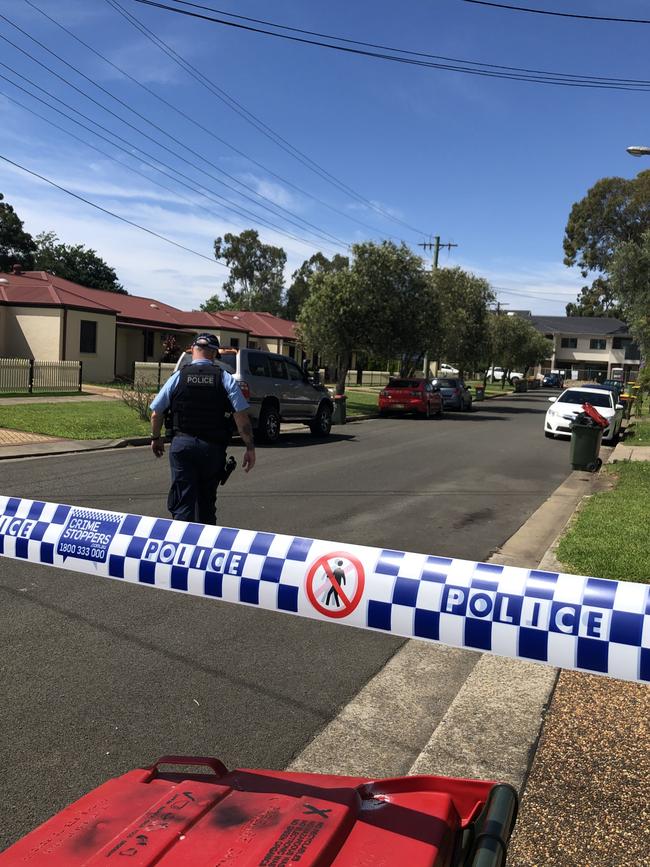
569	621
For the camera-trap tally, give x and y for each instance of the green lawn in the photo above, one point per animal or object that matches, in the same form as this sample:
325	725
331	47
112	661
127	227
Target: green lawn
359	402
37	393
106	419
609	537
491	387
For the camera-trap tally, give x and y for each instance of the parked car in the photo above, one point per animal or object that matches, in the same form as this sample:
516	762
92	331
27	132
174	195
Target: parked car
567	406
455	394
447	369
411	395
499	372
614	385
552	380
277	390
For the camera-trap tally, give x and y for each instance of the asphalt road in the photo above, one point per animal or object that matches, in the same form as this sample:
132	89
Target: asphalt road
98	677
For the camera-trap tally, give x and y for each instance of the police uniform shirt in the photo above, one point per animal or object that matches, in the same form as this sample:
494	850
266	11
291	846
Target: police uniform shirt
162	401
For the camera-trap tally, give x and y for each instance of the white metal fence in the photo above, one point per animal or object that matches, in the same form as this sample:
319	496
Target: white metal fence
367	377
153	373
31	375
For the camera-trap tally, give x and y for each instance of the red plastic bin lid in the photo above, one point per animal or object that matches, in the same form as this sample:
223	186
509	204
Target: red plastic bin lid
262	818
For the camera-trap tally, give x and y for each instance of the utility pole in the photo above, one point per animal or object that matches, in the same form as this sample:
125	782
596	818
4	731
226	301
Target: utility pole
435	246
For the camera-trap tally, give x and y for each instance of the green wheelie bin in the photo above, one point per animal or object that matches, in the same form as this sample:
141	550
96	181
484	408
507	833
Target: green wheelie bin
586	437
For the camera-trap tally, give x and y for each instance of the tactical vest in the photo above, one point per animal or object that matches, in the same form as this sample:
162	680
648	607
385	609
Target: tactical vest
200	404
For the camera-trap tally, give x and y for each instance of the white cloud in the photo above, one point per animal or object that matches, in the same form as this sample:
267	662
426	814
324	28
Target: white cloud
538	286
278	194
145	265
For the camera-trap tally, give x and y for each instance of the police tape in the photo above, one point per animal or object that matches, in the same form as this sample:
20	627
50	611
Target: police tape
570	621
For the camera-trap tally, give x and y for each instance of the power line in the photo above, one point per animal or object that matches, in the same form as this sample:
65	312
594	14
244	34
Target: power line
486	71
111	213
378	45
324	235
530	296
99	150
256	122
558	14
129	148
200	126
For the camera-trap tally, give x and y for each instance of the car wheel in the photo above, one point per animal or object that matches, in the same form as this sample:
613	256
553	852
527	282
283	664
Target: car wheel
427	411
322	423
268	430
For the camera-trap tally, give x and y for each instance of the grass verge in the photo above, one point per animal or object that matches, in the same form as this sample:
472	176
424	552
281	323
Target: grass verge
359	402
491	387
609	536
105	419
640	432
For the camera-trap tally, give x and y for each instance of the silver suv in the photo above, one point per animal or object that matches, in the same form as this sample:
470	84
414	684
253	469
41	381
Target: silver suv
277	390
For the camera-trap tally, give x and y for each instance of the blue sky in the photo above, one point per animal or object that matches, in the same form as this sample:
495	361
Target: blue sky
491	165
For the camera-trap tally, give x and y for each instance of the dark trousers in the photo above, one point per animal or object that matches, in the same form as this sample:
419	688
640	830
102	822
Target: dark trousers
196	467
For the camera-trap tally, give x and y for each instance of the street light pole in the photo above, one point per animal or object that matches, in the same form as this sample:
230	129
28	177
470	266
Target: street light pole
639	150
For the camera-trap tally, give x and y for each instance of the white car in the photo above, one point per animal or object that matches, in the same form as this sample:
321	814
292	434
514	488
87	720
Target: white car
498	373
567	406
447	370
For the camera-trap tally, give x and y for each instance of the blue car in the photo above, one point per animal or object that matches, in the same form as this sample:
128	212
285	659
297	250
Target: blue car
455	394
552	380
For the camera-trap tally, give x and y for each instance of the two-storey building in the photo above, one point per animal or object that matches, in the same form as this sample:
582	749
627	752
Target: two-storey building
588	347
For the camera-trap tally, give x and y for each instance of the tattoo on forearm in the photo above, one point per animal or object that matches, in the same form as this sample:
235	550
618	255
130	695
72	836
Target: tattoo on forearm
246	432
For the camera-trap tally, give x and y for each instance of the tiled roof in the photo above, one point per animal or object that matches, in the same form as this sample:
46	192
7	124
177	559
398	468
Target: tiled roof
579	325
36	288
201	319
261	324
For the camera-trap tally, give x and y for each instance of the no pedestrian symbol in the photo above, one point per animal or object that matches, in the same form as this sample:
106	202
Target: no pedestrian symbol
335	584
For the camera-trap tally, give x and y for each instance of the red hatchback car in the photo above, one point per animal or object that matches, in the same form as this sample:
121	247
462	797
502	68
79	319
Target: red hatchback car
411	395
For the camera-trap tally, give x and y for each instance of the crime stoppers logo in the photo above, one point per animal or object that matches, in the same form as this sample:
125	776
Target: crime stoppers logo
87	535
335	584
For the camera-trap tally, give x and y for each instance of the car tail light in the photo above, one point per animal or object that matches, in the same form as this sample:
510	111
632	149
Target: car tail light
245	390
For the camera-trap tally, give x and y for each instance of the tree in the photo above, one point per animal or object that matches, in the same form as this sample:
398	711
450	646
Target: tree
464	300
17	247
256	271
614	211
76	263
595	300
332	320
383	304
215	303
516	344
301	280
630	270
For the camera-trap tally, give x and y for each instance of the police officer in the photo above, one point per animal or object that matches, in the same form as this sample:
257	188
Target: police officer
199	398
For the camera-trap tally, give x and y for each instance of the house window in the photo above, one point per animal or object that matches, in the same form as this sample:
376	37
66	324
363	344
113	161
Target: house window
234	342
292	351
88	336
569	343
597	343
621	342
148	344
